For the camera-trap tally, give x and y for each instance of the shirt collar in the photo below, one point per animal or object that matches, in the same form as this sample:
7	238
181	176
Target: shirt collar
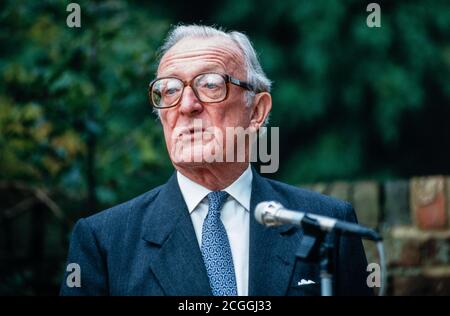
193	193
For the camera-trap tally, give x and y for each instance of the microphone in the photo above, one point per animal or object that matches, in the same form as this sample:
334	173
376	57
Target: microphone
271	213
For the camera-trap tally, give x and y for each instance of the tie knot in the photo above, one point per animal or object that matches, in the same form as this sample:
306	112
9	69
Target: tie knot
216	200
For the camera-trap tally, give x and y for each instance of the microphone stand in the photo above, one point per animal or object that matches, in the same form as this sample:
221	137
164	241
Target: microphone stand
315	242
326	268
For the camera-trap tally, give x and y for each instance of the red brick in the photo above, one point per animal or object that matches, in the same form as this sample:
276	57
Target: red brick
447	196
396	203
339	190
428	202
403	252
317	187
371	251
366	195
430	281
411	247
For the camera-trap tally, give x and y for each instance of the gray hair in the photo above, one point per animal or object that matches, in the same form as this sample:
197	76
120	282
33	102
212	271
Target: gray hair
255	74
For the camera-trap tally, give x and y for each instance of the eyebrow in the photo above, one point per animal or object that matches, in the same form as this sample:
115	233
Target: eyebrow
202	69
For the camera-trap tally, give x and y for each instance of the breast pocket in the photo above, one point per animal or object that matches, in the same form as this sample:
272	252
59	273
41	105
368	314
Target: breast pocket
304	290
305	280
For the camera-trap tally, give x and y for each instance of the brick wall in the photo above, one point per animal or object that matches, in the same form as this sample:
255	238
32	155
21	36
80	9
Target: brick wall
413	216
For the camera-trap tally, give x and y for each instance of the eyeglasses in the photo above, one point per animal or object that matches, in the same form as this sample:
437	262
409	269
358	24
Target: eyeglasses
166	92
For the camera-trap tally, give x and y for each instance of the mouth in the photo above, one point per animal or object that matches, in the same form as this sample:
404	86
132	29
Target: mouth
197	129
191	130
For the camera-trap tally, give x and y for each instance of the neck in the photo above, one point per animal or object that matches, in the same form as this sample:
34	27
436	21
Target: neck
216	176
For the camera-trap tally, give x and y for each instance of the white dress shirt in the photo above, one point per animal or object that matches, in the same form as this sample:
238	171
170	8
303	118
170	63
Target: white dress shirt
235	216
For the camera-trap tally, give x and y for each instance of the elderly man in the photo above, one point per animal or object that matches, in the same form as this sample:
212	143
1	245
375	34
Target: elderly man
196	234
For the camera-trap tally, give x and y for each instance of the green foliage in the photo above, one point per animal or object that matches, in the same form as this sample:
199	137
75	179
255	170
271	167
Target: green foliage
70	93
74	120
348	98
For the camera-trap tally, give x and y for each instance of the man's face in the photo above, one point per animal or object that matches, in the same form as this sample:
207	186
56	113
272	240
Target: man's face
187	145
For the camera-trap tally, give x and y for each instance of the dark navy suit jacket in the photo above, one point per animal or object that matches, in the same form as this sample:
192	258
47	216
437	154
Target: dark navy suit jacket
147	246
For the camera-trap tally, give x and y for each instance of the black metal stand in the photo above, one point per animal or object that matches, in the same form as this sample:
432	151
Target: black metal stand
315	246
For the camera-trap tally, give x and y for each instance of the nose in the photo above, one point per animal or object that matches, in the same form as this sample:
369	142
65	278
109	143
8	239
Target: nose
189	103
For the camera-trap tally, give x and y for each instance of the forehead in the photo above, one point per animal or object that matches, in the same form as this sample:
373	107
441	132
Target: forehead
193	55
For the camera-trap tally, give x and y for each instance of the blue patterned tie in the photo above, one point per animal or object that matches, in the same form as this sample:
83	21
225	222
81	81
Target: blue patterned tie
216	249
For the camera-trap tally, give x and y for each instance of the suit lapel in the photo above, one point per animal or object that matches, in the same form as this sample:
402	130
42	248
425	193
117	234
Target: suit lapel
175	256
272	250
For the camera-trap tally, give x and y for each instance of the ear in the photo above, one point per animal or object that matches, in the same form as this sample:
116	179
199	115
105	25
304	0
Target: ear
262	104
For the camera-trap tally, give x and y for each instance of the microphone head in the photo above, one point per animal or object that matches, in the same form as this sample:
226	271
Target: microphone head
265	212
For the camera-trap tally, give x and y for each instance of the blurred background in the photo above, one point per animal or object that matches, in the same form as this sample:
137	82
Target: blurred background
363	115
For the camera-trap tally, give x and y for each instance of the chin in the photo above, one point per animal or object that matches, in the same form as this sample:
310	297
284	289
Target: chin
197	155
